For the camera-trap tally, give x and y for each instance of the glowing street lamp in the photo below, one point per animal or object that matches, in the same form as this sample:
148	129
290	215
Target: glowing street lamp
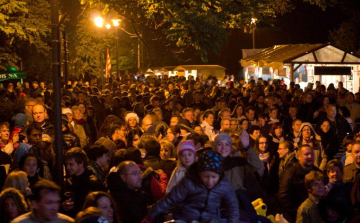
99	21
116	22
108	26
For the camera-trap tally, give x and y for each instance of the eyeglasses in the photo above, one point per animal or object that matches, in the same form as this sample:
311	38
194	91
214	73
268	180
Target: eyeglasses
263	143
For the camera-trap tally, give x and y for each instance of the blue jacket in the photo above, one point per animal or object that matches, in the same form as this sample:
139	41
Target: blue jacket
195	202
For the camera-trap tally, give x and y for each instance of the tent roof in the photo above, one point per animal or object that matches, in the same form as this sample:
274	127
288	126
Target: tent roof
197	67
279	55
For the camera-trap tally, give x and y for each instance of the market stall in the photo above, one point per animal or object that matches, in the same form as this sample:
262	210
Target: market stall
304	63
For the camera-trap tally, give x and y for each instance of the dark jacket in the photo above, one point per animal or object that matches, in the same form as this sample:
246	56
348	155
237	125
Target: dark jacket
131	205
70	140
292	191
340	127
156	163
195	202
286	163
81	186
350	174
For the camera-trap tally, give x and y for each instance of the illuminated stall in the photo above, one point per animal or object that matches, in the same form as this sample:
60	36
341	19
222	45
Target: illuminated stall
304	63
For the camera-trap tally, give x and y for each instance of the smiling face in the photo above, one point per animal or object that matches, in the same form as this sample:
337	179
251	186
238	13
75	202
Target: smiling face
105	206
335	174
263	144
165	153
223	147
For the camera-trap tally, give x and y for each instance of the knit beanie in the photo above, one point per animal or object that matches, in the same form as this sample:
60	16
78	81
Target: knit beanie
223	136
210	161
187	145
20	120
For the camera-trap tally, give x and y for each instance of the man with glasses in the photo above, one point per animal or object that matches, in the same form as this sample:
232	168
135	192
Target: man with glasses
29	104
125	188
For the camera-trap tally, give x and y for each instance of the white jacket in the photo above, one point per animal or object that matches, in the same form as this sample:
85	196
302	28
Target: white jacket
208	130
177	175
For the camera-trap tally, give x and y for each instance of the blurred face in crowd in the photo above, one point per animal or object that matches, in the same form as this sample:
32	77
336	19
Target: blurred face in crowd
325	126
189	116
103	160
197	111
132	176
105	206
278	131
170	135
250	115
222	105
255	134
197	98
349	98
35	136
174	121
30	166
282	150
29	106
273	114
158	113
355	153
306	132
73	167
245	124
308	98
209	179
226	124
82	108
306	157
209	119
121	132
81	97
223	147
187	158
11	208
296	126
165	153
69	116
263	144
234	125
239	111
326	101
47	208
132	122
260	99
27	85
39	113
331	112
146	123
4	133
78	114
198	130
318	188
293	111
136	141
335	174
226	114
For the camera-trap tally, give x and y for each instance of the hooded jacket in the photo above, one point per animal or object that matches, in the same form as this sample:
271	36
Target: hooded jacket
320	157
195	202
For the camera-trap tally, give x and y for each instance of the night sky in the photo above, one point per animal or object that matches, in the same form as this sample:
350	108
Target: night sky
305	24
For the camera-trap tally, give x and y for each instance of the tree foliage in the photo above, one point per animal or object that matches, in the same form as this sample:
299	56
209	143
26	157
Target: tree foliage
23	24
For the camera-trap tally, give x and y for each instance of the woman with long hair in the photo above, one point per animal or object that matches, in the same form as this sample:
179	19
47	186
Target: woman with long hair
173	134
105	129
276	136
133	138
12	205
132	121
32	166
104	203
329	139
238	112
18	179
307	135
167	150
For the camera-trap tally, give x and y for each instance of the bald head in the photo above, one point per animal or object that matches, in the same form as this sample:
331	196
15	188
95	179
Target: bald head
331	111
146	123
39	113
131	175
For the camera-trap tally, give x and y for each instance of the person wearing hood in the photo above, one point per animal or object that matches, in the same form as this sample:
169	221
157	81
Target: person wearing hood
77	129
307	135
70	139
199	195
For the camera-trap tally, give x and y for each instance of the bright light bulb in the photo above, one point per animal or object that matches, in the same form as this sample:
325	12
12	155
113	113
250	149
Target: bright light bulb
253	20
99	21
108	26
116	22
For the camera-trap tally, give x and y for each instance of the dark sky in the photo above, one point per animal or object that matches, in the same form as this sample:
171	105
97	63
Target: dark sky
305	24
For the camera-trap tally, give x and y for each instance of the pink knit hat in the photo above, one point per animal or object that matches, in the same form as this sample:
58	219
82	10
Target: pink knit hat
187	145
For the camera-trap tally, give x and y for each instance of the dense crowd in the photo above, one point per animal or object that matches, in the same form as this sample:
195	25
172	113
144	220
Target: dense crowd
194	150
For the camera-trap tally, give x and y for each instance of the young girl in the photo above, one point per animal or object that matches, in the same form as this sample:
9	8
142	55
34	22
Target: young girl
187	156
200	194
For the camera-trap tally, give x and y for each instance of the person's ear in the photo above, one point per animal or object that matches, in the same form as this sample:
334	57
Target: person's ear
34	204
122	177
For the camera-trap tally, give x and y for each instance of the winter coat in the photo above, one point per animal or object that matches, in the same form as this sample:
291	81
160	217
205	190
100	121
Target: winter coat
177	175
195	202
350	173
82	185
208	130
329	142
70	140
286	163
80	132
131	204
156	163
292	191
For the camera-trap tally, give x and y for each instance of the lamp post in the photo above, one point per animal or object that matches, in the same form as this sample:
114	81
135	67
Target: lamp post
253	24
99	22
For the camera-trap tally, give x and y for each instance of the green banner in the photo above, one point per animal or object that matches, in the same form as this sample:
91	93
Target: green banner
11	73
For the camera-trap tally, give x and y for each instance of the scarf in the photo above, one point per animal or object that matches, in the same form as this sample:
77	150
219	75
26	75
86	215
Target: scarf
80	121
264	157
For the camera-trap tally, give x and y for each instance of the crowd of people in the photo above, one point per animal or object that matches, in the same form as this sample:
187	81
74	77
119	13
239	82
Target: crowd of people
191	150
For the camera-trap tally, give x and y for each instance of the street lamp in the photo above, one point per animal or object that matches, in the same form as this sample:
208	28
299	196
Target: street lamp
116	23
99	21
253	24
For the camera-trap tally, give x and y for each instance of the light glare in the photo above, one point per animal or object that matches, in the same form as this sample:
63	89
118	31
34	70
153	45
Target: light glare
99	21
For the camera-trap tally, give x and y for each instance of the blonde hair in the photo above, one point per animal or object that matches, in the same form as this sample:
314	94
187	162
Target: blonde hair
18	180
165	143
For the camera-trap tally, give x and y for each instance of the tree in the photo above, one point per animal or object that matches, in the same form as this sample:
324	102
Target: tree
24	28
202	25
